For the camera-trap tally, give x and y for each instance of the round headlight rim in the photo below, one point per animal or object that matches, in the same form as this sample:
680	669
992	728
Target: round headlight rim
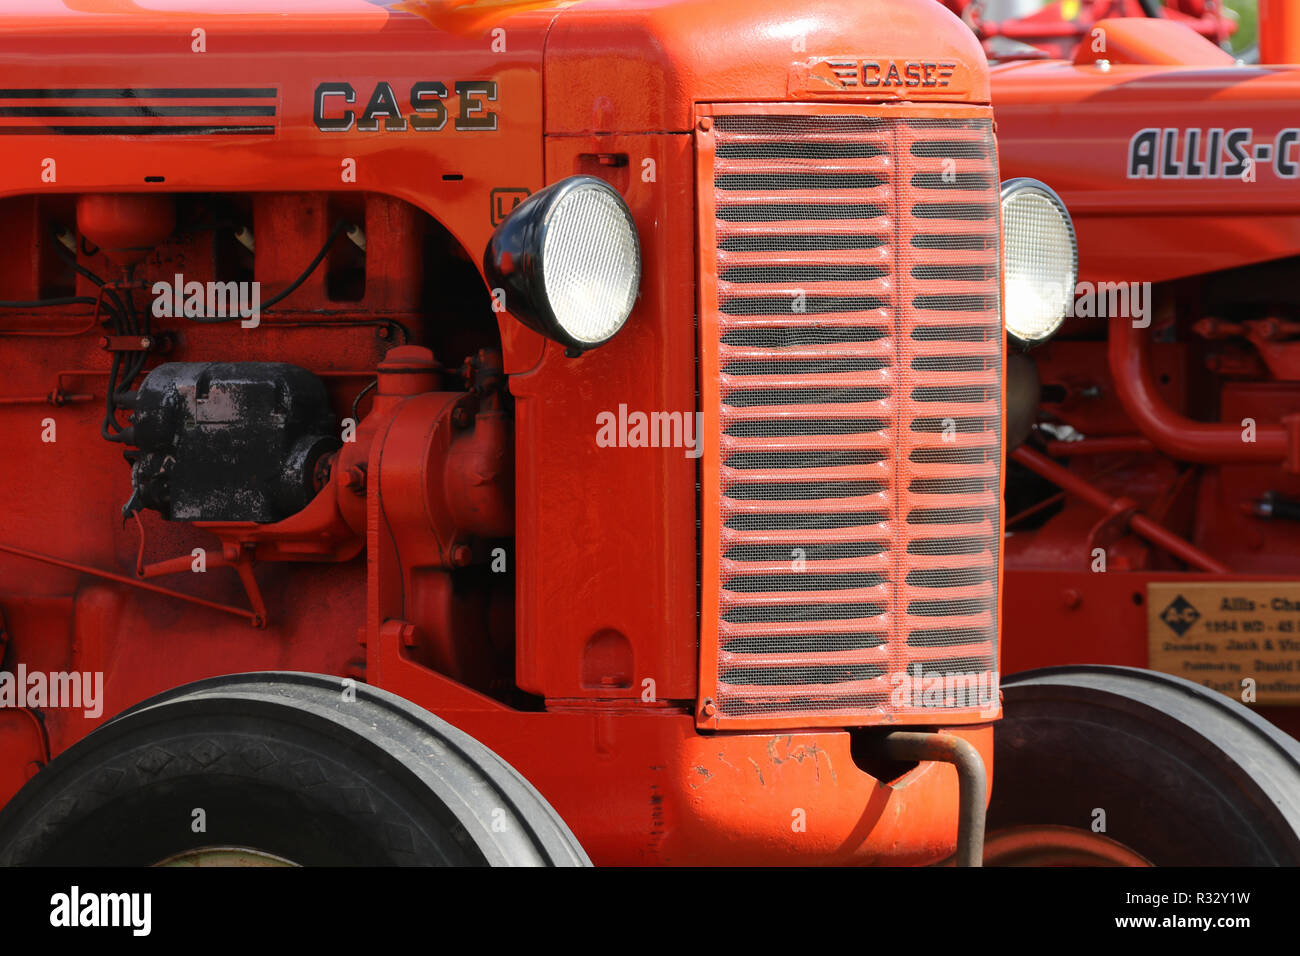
564	188
1006	190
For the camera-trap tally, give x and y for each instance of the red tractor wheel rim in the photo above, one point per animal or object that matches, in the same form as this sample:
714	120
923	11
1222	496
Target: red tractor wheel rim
1049	845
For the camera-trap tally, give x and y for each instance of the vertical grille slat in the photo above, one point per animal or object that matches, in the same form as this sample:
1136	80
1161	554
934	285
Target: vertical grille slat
852	343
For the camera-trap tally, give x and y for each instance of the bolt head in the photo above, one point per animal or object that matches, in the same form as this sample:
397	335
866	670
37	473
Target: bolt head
354	479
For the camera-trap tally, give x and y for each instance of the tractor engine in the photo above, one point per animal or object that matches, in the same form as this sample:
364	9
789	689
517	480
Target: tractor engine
243	368
226	441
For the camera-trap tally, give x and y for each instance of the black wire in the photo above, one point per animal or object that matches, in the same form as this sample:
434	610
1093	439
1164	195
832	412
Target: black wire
132	318
356	402
42	303
71	258
338	229
128	317
320	256
66	299
121	316
133	366
122	312
110	424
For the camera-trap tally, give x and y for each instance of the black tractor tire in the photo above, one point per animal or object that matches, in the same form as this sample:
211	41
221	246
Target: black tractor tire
1185	776
302	768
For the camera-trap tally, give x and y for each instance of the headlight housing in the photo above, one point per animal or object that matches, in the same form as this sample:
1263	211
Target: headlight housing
569	262
1040	260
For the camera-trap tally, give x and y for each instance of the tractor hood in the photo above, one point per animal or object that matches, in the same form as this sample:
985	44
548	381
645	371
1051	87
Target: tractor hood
609	65
277	69
1143	152
1153	135
640	67
446	105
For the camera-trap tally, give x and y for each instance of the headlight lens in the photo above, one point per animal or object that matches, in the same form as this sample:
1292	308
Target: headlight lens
1040	260
569	262
590	262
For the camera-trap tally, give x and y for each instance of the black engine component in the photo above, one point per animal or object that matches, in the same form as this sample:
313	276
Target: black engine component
227	441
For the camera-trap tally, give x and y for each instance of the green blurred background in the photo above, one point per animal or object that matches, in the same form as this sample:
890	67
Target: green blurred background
1247	24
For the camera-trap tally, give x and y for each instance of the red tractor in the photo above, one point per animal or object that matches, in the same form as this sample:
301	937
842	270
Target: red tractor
621	383
1056	29
1152	510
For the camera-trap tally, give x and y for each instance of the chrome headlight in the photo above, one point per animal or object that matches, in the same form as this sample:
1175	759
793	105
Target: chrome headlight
569	262
1040	260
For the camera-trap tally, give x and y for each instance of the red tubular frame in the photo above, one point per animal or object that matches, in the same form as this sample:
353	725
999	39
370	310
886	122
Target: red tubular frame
1141	525
1099	446
1180	437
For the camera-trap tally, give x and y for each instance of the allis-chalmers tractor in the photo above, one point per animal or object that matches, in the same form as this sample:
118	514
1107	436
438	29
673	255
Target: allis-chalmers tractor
1152	514
622	383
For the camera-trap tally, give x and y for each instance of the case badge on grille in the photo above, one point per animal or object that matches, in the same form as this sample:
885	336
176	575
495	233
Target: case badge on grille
856	75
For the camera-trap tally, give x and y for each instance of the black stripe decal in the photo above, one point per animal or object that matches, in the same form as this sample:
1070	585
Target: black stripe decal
205	112
146	111
136	130
259	93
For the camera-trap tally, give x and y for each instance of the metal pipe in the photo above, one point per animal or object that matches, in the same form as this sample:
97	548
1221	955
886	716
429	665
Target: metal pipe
56	399
1140	524
1053	499
1032	510
1179	437
972	782
251	616
1099	446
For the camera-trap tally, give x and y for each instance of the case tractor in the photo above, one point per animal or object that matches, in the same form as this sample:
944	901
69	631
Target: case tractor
553	432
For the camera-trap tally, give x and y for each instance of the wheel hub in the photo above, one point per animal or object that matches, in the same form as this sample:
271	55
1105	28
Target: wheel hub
1050	845
224	856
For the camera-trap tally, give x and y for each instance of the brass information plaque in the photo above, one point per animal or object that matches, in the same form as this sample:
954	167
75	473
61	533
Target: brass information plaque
1219	633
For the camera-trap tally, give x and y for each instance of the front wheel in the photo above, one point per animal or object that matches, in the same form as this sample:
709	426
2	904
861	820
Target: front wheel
1121	766
281	768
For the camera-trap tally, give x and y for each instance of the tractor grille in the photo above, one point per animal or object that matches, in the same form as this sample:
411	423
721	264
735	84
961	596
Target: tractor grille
851	357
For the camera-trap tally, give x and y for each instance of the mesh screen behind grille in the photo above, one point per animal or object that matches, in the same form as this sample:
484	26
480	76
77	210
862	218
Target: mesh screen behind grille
856	341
